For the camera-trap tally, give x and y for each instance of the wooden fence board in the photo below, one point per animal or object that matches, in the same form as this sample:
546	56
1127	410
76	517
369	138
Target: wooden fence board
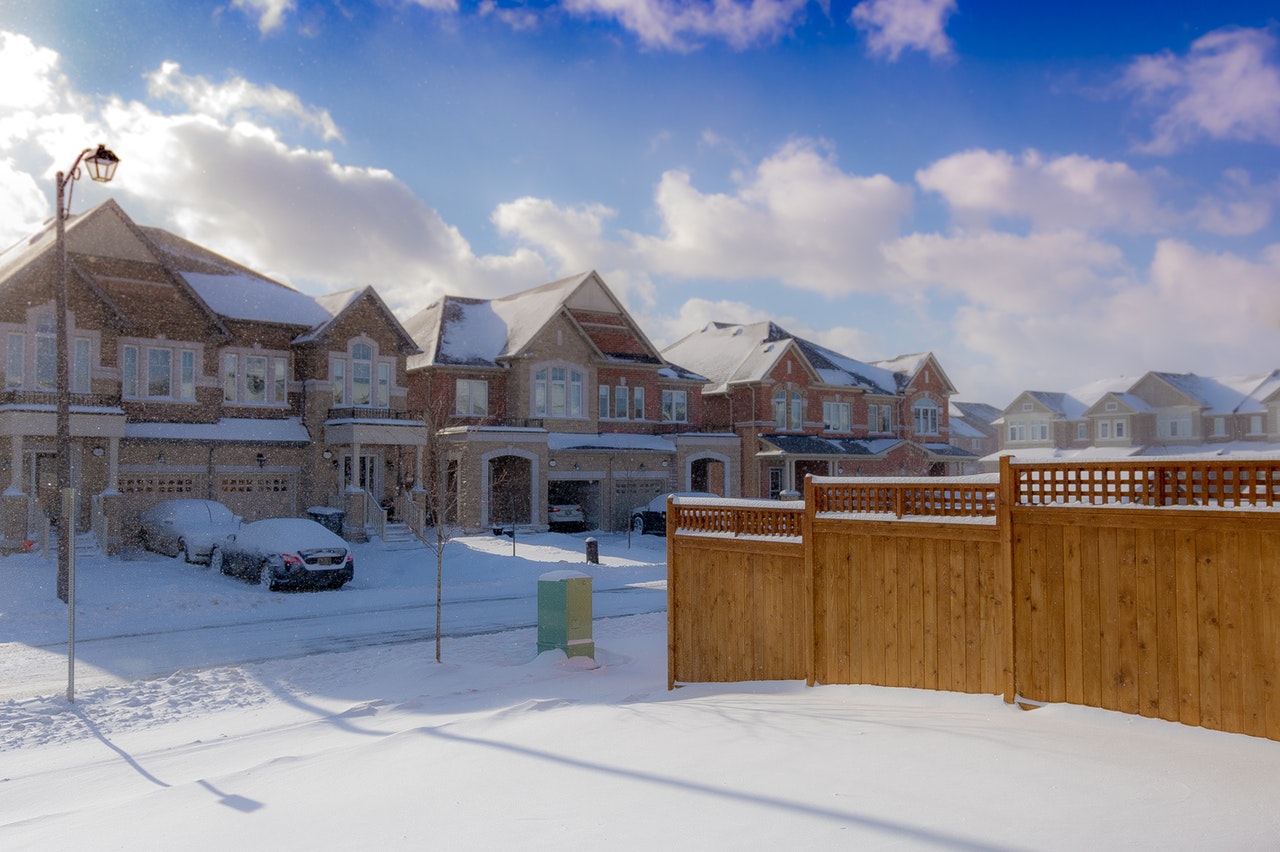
1166	585
1188	629
1210	635
1147	683
1254	672
1073	620
1055	617
1091	618
1231	658
1127	626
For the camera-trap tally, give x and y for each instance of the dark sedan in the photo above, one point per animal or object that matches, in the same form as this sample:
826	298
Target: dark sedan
285	553
652	516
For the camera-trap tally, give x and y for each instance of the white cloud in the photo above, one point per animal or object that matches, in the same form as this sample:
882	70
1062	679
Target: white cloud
1068	192
1226	87
1213	314
681	25
28	71
798	218
519	18
270	13
893	26
237	98
219	174
1007	272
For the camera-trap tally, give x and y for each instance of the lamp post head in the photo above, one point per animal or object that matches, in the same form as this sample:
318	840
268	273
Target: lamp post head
102	165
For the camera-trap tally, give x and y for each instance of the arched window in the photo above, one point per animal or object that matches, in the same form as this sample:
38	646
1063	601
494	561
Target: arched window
797	410
361	374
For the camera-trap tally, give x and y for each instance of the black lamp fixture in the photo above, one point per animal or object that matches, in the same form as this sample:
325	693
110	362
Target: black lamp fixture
261	459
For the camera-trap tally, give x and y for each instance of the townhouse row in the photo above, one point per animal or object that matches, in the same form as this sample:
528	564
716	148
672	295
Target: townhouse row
194	376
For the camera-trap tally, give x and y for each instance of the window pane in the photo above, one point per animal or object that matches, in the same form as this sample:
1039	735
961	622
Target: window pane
462	398
188	387
255	379
384	385
129	371
46	363
280	378
620	401
13	367
604	400
480	399
361	352
228	378
339	381
361	383
80	367
159	373
639	401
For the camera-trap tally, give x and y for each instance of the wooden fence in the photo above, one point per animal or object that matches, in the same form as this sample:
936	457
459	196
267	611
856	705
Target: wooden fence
1148	588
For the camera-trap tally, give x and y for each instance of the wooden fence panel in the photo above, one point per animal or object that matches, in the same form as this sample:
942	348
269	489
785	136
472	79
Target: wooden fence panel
1149	588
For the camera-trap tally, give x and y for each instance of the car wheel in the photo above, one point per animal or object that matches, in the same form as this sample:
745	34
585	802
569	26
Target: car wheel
637	524
216	561
267	577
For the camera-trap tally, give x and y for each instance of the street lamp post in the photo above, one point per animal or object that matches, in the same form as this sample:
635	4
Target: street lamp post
102	167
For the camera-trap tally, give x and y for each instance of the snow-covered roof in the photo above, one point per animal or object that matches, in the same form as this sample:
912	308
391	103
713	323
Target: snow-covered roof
609	441
286	431
1216	396
729	353
251	297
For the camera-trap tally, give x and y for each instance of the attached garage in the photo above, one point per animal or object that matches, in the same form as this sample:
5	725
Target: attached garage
254	496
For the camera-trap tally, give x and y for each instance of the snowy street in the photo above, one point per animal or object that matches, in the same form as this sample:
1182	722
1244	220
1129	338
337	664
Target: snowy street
309	743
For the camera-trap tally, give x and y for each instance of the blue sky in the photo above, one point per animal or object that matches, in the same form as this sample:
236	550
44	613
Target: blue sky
1041	194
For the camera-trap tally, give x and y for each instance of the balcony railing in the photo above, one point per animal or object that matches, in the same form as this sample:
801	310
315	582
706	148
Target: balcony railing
359	412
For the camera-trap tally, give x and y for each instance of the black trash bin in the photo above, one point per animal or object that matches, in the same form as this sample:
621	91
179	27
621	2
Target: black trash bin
330	519
593	551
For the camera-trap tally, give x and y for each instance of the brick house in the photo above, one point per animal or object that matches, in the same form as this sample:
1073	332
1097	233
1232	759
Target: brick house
555	395
194	376
1158	414
801	408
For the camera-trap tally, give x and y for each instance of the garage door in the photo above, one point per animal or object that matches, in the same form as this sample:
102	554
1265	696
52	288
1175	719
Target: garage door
632	493
141	491
254	496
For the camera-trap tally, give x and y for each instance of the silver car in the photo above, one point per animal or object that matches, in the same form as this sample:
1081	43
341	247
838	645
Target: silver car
187	528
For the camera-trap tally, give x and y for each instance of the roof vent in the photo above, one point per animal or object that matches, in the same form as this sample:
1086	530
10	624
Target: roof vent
737	331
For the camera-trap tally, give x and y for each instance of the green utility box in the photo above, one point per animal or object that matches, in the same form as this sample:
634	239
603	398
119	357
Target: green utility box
564	613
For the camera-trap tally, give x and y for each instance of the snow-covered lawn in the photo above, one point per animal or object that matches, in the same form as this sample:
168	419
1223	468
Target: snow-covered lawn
382	748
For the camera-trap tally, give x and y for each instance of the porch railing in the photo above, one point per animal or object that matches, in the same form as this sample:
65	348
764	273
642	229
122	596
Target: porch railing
375	517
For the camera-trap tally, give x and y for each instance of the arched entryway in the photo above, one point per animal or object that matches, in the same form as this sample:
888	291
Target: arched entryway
510	490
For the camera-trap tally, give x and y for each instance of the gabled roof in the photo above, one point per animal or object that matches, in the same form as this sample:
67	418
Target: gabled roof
458	331
731	353
906	367
232	290
1214	396
1132	402
1073	404
339	305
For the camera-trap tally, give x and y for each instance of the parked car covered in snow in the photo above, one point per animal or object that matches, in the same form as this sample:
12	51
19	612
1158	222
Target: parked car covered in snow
286	553
652	516
187	528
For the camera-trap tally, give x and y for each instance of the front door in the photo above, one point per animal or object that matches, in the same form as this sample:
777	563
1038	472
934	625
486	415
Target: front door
368	473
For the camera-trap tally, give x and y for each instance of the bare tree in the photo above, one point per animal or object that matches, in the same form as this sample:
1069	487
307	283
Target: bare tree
439	487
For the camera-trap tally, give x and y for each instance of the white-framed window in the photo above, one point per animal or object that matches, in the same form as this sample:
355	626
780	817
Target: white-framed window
157	371
129	371
80	377
1175	426
471	398
339	376
880	418
255	378
604	397
1255	424
620	397
361	377
362	374
924	415
1119	428
46	354
15	356
1082	431
1017	430
1219	427
1104	430
835	416
637	399
675	406
557	392
788	408
1111	406
1042	431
